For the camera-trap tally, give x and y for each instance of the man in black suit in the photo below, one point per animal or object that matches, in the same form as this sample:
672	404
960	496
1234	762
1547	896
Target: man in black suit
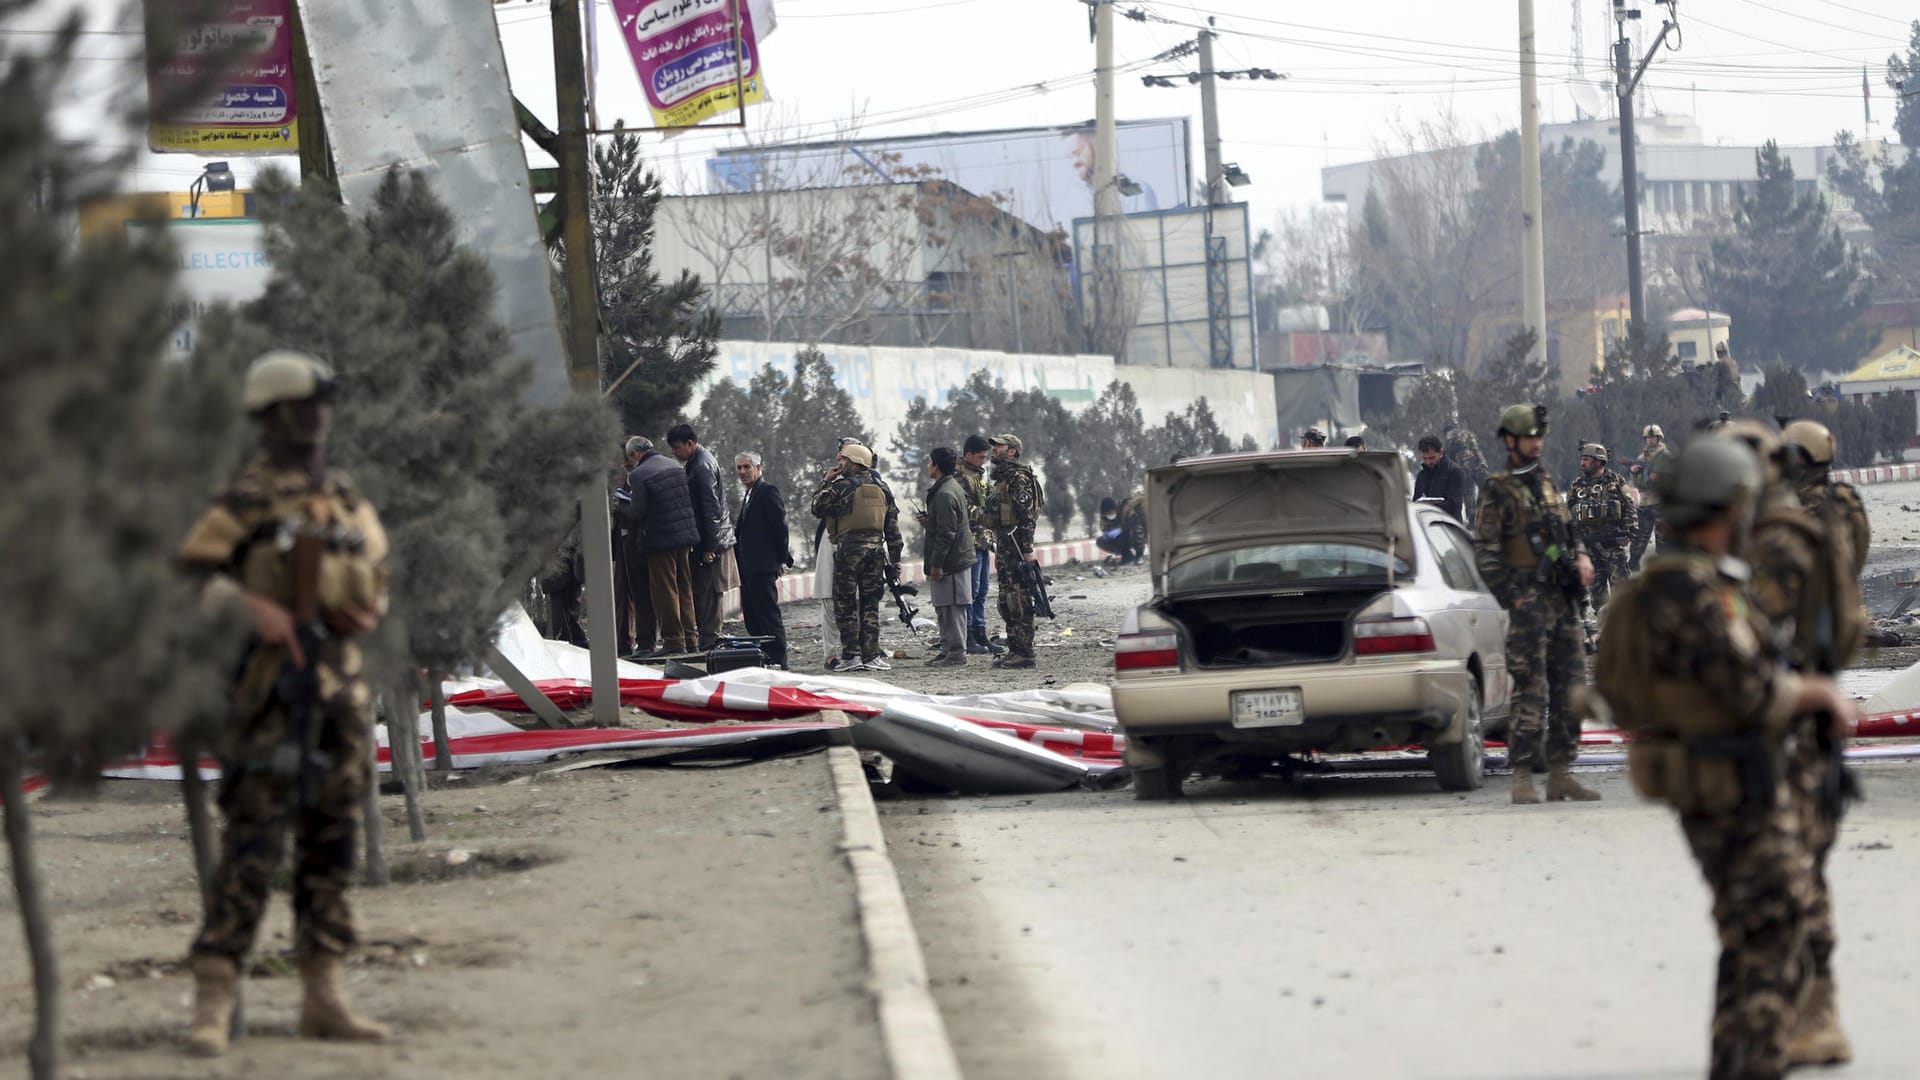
761	549
1440	480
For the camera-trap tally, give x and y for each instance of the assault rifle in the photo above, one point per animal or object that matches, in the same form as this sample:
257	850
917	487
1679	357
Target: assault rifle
900	593
297	688
1552	540
1035	582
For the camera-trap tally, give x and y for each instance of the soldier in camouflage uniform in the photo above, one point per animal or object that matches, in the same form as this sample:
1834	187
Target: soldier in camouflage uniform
297	549
863	522
1642	474
1606	515
973	473
1123	526
1013	506
1519	529
1806	581
1463	449
1687	667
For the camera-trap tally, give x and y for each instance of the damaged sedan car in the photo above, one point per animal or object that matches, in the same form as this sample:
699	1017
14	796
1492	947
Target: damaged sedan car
1301	605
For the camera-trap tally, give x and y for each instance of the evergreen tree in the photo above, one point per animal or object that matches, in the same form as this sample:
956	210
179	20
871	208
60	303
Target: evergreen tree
1792	286
474	484
659	336
1194	433
111	452
1112	430
1903	75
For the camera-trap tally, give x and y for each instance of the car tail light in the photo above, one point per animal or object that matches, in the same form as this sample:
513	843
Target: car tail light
1139	652
1372	637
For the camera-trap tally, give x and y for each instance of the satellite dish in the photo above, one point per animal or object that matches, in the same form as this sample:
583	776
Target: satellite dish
1590	98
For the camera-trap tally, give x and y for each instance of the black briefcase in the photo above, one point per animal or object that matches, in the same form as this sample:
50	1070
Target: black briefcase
733	653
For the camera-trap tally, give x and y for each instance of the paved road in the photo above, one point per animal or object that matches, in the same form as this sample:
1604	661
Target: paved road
1361	927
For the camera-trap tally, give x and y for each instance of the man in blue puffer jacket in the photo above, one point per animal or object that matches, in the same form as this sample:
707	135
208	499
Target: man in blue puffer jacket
661	509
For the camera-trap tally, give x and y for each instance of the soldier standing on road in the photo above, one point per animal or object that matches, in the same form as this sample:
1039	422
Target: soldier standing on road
1013	505
973	473
863	522
1806	581
1643	473
1606	516
1688	669
1463	449
1524	546
301	552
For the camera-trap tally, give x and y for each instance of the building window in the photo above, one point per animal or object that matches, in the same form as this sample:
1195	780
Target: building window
1688	350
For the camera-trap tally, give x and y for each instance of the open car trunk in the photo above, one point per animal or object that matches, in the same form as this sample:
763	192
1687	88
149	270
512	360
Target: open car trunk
1267	630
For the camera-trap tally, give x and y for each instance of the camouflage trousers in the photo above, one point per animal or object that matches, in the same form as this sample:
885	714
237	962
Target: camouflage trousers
1649	518
1755	862
261	799
1016	604
1609	569
859	583
1545	659
1806	777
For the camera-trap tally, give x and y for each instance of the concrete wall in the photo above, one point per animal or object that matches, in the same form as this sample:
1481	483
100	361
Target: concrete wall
883	382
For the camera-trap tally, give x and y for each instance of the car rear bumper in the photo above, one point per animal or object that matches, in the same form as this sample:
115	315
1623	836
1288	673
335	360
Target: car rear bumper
1421	694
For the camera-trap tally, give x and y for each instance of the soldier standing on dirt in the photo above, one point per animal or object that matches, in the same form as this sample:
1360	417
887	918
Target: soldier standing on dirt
1524	544
300	551
1606	516
1687	667
1643	473
863	523
1013	507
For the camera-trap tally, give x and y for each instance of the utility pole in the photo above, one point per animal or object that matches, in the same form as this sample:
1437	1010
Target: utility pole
1210	122
583	342
1106	197
1533	253
1626	80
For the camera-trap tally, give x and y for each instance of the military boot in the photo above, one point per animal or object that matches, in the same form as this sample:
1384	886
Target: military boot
213	981
324	1013
1816	1038
1562	785
977	640
1523	787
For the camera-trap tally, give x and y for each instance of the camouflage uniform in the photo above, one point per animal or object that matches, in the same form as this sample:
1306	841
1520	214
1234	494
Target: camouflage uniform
1693	677
1463	449
1823	495
1013	503
1650	464
1543	630
246	537
864	546
1606	517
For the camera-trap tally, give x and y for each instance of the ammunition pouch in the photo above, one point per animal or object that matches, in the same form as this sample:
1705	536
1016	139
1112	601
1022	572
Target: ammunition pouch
1714	775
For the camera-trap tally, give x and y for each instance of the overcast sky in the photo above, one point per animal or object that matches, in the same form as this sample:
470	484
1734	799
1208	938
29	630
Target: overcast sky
1747	70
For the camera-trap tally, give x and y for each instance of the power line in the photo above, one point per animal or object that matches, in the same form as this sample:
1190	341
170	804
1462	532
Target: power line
1869	14
1811	19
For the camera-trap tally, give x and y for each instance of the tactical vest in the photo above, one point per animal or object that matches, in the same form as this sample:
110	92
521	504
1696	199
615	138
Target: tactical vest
1678	753
1516	546
251	534
1008	514
868	513
1829	605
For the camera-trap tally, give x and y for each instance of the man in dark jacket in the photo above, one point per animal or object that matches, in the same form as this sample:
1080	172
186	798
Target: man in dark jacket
763	550
713	565
660	506
1440	479
947	556
632	601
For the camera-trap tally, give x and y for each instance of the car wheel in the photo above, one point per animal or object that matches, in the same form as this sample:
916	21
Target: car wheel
1463	766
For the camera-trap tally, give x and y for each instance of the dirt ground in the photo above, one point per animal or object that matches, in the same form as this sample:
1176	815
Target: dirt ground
665	922
1075	647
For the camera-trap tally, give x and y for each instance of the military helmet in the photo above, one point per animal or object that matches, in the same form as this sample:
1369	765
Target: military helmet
1652	431
1523	420
285	375
1761	438
1710	476
1593	450
857	454
1314	435
1813	439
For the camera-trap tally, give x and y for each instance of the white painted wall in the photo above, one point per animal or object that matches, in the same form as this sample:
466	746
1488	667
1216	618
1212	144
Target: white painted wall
883	382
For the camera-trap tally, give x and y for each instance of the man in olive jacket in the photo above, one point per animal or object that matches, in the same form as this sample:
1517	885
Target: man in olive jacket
948	556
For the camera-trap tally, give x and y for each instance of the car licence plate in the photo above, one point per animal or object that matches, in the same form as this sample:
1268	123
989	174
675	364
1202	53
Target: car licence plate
1267	708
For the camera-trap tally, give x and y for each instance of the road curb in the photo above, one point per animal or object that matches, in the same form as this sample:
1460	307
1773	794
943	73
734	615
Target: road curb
911	1028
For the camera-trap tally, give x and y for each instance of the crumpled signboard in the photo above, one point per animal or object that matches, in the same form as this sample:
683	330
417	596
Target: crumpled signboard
250	111
695	58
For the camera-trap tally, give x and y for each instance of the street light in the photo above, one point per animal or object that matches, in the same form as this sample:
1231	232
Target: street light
215	177
1127	187
1234	176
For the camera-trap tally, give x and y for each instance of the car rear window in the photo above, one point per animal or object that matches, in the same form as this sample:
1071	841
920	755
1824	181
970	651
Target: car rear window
1283	565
